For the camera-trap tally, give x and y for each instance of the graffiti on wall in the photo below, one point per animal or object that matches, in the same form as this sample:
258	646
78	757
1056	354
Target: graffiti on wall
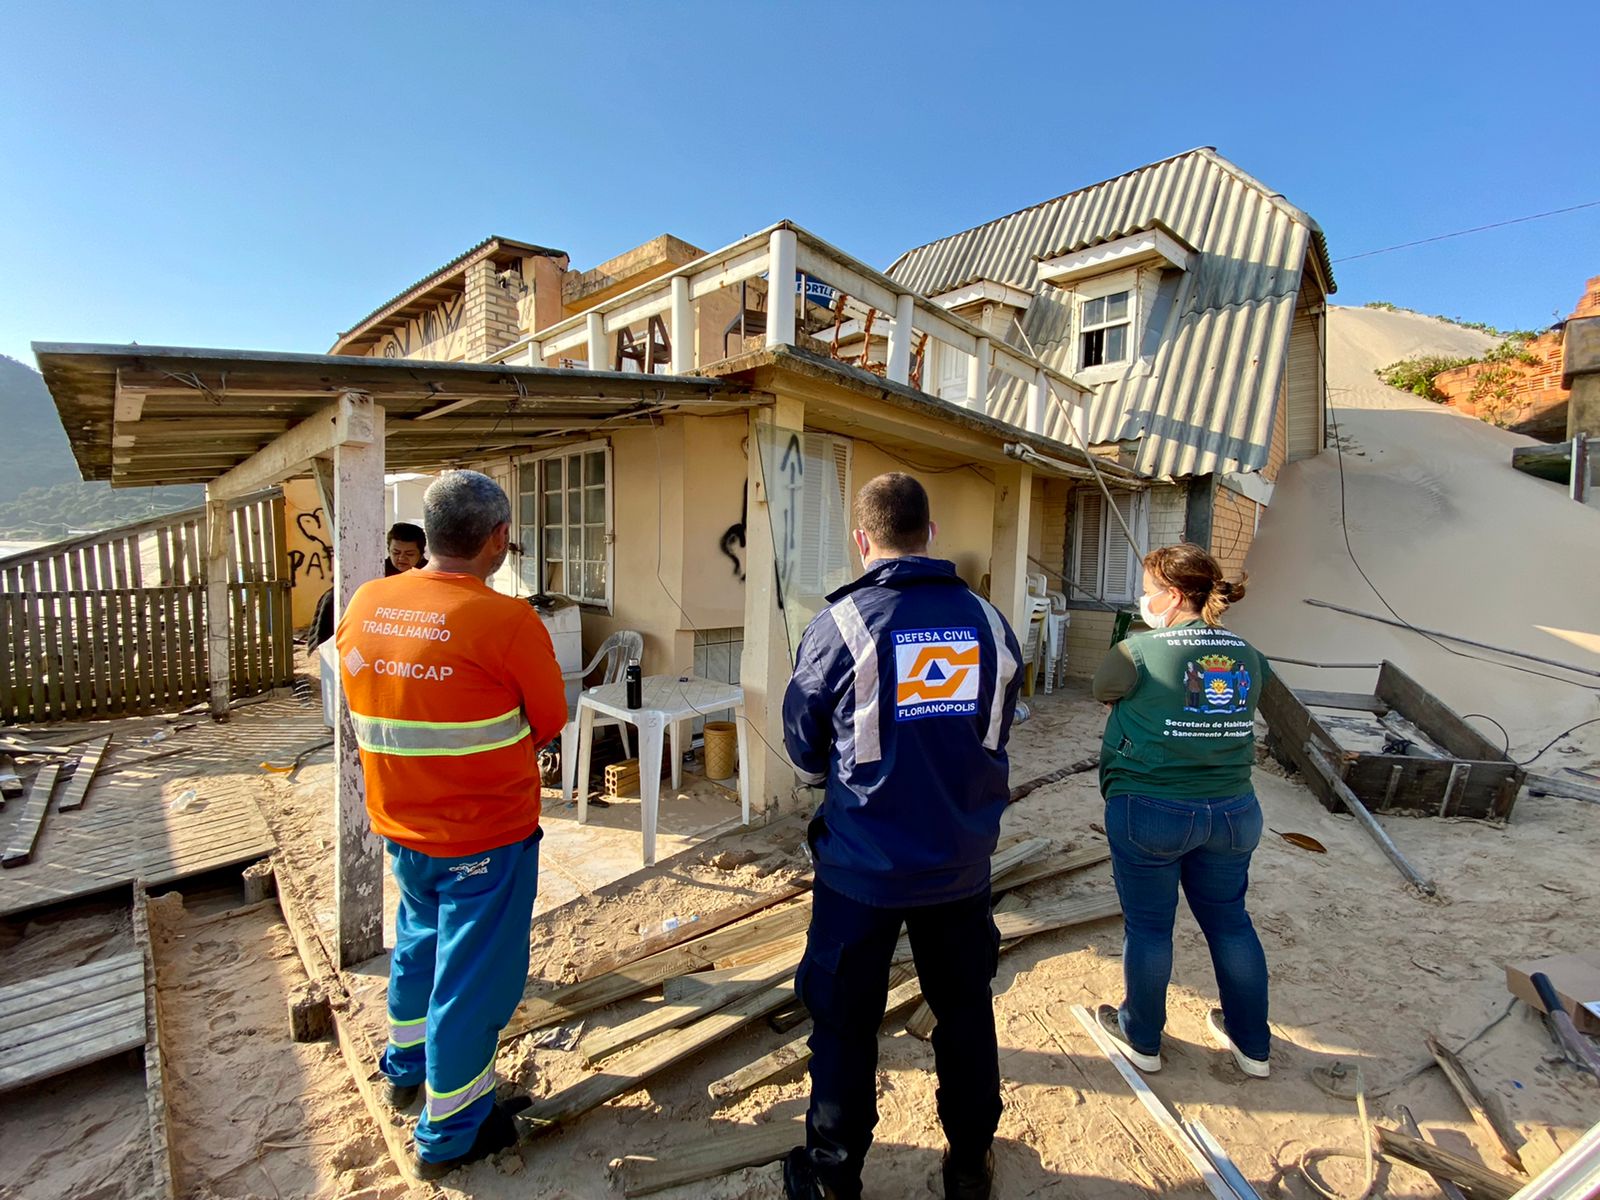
792	467
316	562
432	326
734	535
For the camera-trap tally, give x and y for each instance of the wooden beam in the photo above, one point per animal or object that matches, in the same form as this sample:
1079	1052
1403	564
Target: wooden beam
1492	1121
709	923
1348	701
358	555
1477	1180
155	1080
730	1150
353	420
25	834
219	662
77	789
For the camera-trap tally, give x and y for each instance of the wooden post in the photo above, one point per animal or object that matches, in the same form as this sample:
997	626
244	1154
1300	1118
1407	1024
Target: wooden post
765	666
978	378
358	554
781	253
218	659
1008	563
1578	487
682	326
899	364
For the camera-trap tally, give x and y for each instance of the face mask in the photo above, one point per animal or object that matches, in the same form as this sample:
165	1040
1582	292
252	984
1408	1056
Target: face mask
1152	618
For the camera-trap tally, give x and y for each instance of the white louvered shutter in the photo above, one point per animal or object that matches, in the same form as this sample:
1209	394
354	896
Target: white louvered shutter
1091	525
1121	559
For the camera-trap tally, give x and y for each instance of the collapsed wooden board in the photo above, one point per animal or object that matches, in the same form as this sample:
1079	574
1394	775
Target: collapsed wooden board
71	1018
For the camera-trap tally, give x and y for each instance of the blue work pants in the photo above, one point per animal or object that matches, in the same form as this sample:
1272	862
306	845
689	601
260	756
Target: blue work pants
459	968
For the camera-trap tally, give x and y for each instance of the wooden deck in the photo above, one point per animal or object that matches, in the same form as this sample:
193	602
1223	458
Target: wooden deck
127	830
70	1019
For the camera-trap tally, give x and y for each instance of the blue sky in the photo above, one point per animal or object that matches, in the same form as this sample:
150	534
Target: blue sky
262	176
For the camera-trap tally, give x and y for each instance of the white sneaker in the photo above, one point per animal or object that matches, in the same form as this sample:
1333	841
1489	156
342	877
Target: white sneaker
1112	1025
1253	1067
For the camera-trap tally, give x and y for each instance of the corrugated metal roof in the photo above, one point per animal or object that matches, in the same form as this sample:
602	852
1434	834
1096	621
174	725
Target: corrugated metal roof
1204	398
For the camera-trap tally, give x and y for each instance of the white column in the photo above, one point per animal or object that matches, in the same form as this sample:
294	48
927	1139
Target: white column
358	553
899	365
682	326
780	287
1038	401
535	354
599	356
219	669
1008	564
765	666
978	378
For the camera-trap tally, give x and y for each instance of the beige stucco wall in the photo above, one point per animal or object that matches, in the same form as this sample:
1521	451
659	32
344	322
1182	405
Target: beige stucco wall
961	503
439	334
310	549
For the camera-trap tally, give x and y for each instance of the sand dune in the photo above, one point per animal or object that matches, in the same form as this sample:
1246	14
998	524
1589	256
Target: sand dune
1452	536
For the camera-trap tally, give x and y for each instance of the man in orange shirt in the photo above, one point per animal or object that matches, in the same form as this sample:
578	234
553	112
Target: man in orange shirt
453	688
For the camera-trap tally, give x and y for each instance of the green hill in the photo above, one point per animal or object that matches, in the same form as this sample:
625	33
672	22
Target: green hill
42	496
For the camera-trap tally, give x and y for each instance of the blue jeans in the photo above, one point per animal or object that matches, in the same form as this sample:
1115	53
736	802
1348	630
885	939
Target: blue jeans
459	967
1204	846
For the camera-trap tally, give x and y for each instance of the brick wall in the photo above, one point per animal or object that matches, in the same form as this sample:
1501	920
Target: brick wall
1527	397
491	319
1233	529
1088	639
1054	525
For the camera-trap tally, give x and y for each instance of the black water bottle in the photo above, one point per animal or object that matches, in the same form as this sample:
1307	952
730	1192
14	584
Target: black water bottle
635	680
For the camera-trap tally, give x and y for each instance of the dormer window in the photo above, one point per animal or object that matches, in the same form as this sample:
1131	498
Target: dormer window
1105	335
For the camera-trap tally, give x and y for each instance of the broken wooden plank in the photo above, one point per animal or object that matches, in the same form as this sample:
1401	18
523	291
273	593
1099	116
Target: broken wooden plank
1370	823
70	1019
1348	701
632	1069
604	1042
1164	1120
730	1150
1409	1123
31	820
905	991
576	999
708	923
1477	1180
77	789
1541	784
155	1079
1489	1119
1052	865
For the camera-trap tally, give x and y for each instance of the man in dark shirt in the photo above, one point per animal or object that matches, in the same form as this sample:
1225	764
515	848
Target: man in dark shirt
408	547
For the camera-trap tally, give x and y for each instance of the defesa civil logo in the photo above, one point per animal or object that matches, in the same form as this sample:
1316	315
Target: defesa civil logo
936	673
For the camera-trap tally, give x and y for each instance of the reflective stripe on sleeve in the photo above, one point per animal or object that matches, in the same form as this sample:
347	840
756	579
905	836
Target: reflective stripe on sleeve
1005	669
443	1104
387	735
864	652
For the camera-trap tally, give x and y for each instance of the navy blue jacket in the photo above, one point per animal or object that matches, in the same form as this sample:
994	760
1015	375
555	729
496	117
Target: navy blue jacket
901	702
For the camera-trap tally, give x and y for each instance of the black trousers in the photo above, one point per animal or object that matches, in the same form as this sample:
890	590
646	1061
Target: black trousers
844	982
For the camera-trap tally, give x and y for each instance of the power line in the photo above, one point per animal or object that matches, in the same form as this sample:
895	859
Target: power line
1554	212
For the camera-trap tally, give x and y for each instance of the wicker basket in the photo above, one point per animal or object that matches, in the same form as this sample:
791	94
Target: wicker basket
722	750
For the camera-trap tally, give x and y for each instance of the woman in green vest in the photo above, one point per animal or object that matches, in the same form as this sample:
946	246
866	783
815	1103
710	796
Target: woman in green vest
1180	809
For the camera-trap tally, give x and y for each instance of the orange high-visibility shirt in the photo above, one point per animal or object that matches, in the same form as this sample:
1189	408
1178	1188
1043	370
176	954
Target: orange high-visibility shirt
452	690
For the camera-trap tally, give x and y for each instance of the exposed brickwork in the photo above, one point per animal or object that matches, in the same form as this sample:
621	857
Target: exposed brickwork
1533	396
1168	506
1088	639
1053	534
1233	529
491	318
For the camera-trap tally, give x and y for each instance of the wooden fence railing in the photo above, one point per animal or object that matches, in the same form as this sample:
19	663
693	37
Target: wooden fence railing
115	622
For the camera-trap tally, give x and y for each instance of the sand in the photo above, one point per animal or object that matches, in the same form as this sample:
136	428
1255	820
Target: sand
1361	968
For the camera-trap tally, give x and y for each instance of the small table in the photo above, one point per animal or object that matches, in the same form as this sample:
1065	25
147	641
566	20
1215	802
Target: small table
670	702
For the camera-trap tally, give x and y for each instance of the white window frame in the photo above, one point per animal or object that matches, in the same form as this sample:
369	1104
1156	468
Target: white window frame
1098	289
1107	528
540	462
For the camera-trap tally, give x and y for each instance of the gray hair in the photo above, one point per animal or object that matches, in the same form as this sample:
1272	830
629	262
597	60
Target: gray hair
460	510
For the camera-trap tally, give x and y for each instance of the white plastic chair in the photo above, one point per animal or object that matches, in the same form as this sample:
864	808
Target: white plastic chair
614	655
1034	640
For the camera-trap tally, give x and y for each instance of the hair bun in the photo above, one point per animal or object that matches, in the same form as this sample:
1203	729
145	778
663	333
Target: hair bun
1222	588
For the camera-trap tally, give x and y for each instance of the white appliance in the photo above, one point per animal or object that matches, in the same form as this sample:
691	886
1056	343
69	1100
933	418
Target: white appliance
563	620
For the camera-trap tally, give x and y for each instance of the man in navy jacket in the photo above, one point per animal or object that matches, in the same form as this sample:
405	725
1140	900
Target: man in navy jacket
901	704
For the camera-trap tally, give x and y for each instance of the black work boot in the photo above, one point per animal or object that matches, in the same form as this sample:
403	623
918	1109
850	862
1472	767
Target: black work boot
800	1180
968	1181
498	1132
400	1096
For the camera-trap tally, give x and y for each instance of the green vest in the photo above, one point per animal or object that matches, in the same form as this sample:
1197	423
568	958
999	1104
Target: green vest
1187	729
